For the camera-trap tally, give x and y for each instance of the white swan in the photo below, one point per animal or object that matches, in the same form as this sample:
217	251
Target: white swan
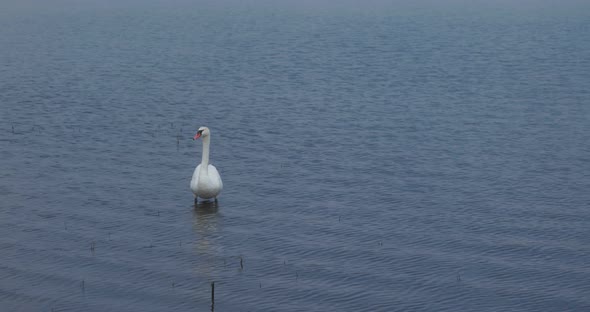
206	182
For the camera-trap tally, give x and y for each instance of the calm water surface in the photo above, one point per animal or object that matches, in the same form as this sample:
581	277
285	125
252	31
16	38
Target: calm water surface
383	157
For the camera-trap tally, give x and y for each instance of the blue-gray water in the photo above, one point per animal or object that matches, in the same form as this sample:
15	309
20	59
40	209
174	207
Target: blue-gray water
375	157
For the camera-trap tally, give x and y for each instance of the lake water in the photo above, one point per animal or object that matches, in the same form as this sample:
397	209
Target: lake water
376	156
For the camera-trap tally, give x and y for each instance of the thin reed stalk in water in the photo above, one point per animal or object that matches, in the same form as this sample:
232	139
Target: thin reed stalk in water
212	293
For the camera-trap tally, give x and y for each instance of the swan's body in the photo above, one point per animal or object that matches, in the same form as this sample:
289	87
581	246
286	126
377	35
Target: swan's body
206	182
206	185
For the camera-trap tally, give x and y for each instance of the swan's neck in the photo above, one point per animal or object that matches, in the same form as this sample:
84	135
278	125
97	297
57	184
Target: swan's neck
205	160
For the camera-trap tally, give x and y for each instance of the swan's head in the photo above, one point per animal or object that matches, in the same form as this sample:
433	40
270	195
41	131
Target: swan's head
203	132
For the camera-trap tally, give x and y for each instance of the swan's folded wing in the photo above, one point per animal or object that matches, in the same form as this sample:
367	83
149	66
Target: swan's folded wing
195	178
215	177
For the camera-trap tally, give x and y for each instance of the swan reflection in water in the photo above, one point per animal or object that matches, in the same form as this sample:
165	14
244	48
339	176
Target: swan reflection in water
206	208
207	252
206	227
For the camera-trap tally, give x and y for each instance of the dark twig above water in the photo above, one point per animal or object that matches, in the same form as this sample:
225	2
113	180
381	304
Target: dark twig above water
212	295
